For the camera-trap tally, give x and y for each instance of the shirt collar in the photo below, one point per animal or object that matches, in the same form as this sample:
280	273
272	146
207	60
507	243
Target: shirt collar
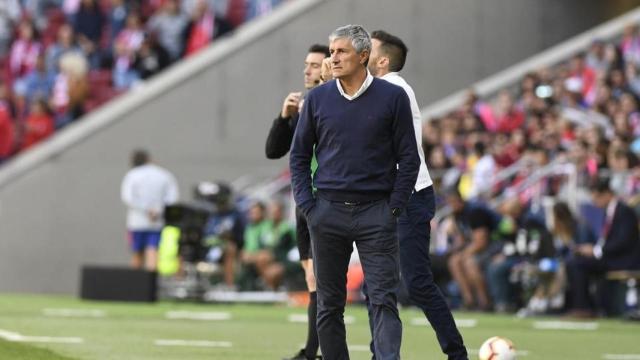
389	75
365	85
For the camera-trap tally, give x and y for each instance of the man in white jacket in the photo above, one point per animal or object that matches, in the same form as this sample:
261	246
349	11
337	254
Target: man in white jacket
146	190
388	55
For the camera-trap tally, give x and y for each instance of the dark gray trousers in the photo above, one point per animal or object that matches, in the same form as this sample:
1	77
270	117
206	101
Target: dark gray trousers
334	227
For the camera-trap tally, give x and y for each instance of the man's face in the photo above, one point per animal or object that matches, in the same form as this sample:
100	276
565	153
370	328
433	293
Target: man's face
600	199
312	66
374	58
456	204
345	61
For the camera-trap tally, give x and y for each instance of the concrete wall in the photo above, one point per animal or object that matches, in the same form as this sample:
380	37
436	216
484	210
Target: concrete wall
66	211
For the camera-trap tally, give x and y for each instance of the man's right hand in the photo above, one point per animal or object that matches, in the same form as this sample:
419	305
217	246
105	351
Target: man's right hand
290	105
325	71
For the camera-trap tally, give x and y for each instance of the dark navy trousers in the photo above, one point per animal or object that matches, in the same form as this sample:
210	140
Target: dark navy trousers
334	227
414	233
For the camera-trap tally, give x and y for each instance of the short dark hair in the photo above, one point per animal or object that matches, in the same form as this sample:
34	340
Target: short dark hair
393	47
318	48
139	157
480	148
600	185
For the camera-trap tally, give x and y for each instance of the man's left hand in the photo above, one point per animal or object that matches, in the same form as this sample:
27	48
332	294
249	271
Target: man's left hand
585	250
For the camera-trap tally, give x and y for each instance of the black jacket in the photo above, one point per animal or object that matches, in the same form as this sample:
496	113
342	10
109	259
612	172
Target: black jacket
621	250
280	136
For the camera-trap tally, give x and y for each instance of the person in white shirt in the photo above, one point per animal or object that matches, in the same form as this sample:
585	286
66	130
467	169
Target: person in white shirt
388	55
146	190
483	171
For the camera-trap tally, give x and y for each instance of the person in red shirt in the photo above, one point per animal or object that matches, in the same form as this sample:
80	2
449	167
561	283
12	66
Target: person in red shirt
504	116
584	77
39	124
6	134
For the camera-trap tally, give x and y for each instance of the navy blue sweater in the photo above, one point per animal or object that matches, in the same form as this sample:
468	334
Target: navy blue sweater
366	148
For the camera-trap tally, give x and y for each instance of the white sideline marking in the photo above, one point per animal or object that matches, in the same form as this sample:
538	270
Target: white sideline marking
363	348
195	343
298	318
565	325
621	356
461	323
518	352
192	315
74	313
15	337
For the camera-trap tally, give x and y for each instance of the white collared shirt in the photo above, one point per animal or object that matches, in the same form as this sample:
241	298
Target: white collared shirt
365	85
424	179
608	222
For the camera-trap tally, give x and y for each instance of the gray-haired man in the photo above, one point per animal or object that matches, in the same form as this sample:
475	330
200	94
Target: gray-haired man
361	128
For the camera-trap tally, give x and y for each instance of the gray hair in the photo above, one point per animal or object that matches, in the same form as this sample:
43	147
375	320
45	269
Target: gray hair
360	38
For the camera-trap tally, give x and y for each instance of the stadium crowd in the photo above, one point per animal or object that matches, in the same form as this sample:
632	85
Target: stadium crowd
60	59
506	248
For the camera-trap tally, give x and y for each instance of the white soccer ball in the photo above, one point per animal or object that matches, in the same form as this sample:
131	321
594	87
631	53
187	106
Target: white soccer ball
497	348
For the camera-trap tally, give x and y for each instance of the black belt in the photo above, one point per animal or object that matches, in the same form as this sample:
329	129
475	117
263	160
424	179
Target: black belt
353	203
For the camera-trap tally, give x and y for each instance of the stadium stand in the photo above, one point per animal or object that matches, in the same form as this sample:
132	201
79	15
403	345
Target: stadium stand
70	57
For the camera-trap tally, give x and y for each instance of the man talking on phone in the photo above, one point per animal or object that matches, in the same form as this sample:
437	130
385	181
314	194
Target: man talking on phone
278	144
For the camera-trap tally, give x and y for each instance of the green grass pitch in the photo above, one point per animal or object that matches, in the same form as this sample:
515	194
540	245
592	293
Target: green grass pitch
131	331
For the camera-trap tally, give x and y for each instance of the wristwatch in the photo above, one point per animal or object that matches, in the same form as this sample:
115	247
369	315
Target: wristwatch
396	212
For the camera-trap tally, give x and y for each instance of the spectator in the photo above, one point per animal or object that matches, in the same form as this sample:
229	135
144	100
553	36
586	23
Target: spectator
482	172
282	234
168	25
125	47
117	17
36	84
151	59
630	45
88	24
7	133
70	89
224	230
267	244
65	43
146	190
500	266
24	51
38	126
203	28
9	15
504	116
472	249
583	78
631	74
132	35
257	8
617	248
568	232
596	58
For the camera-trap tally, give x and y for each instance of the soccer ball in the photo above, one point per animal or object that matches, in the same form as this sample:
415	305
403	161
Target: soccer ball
497	348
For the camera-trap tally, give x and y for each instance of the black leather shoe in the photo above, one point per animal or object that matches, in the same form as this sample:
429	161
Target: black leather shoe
300	355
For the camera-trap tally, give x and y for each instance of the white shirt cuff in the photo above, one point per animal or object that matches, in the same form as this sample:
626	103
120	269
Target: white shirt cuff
597	252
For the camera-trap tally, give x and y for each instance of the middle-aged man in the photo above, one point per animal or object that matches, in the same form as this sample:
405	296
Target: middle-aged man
368	163
388	56
617	248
